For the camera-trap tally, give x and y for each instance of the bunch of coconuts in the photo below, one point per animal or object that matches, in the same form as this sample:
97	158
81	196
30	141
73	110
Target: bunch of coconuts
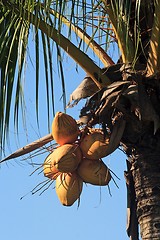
77	159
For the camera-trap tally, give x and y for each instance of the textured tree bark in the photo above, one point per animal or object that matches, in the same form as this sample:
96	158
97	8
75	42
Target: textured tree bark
132	221
146	175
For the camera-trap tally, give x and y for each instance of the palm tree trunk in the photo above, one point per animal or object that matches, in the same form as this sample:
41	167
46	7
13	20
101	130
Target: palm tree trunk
146	175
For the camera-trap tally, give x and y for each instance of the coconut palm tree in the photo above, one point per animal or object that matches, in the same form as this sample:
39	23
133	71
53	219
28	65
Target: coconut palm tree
125	96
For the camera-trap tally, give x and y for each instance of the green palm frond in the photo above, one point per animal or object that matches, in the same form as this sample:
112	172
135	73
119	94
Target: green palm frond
13	44
89	40
153	66
18	18
119	14
132	22
95	23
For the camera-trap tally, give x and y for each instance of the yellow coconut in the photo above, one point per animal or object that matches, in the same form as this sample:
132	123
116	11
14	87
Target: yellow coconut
66	158
94	172
49	169
94	145
64	128
68	188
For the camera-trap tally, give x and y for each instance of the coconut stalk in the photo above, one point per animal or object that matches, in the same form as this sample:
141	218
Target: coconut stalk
76	54
29	147
101	54
153	64
121	29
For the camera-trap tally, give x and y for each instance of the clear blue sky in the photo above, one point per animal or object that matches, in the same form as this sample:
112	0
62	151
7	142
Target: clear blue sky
99	215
